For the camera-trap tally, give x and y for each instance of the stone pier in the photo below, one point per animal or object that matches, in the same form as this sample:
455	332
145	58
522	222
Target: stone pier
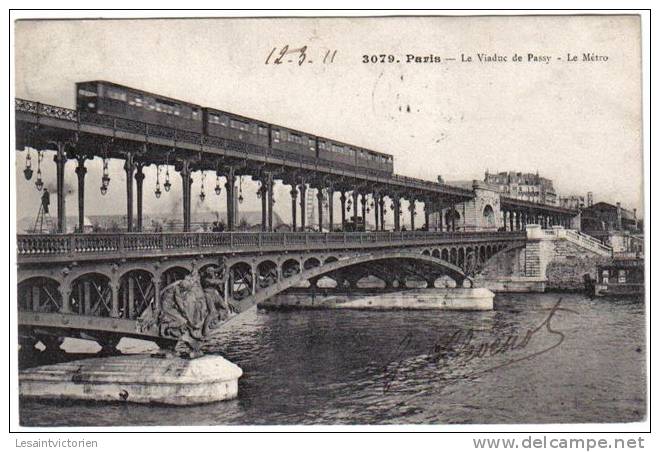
136	379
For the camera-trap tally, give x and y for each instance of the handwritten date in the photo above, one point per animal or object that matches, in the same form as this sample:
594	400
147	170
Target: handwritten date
298	55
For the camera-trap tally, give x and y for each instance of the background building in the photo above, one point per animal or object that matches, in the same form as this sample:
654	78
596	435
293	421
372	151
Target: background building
526	186
573	202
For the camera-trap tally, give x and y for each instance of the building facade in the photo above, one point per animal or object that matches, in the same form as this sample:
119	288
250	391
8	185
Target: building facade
573	202
526	186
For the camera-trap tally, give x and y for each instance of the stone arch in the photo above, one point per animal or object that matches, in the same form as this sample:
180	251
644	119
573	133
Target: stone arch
426	253
91	294
436	253
137	292
330	260
39	294
489	216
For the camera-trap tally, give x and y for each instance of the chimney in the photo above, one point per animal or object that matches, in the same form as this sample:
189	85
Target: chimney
590	199
618	216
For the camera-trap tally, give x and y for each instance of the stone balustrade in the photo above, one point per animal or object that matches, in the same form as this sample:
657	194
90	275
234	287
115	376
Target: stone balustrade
31	246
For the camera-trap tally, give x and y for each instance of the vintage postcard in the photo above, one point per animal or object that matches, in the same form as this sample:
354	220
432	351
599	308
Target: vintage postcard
329	221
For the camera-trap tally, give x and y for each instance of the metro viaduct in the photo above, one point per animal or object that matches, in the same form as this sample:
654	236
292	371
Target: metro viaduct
100	285
81	136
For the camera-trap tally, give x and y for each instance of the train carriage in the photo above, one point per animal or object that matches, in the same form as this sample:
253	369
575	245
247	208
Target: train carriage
334	152
111	99
218	123
121	101
294	143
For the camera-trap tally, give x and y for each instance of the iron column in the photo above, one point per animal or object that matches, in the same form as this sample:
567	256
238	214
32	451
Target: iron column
139	179
303	192
129	166
294	195
342	200
229	188
80	172
60	161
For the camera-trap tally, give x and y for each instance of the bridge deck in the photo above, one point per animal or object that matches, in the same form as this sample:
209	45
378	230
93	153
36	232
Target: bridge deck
62	121
48	248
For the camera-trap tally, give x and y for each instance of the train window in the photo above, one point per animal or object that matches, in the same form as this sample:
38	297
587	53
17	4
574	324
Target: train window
214	119
295	138
116	94
263	130
196	114
135	100
276	136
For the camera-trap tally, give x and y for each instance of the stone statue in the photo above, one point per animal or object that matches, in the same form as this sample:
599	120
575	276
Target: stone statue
189	310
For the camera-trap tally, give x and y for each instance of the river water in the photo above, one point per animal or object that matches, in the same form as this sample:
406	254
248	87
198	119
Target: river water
582	362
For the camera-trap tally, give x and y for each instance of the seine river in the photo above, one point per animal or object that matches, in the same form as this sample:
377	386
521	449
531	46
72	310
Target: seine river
524	362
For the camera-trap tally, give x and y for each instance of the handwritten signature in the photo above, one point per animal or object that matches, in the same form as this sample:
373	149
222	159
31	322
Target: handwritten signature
460	348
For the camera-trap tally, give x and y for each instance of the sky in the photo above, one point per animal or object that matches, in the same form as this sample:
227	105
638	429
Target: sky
578	123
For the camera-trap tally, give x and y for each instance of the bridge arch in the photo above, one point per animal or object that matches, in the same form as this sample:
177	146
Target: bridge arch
39	294
311	262
290	267
91	294
441	266
489	216
241	280
267	271
136	293
173	273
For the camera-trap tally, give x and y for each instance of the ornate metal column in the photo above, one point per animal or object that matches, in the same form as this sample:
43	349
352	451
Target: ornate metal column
364	210
331	208
269	193
129	167
185	182
80	172
294	195
381	205
376	214
342	200
427	209
319	201
355	208
412	214
397	212
303	192
60	161
229	189
263	193
139	179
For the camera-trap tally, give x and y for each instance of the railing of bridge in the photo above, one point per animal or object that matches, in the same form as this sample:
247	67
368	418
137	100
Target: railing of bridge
35	245
153	130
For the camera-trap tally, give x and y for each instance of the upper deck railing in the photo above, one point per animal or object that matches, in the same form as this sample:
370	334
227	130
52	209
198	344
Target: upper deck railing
36	247
38	110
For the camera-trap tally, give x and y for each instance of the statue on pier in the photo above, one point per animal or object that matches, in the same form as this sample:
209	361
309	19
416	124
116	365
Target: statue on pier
189	310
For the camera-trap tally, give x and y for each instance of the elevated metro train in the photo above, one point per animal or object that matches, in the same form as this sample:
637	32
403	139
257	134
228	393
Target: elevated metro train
111	99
